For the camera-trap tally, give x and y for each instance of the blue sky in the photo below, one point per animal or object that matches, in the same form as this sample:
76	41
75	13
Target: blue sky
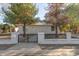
41	10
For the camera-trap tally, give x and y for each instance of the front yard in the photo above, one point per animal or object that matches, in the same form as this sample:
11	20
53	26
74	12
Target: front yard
33	49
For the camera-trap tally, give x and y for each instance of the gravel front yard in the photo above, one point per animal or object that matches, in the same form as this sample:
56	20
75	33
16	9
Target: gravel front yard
33	49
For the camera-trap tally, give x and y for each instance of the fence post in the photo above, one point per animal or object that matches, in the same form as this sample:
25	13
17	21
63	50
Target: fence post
40	37
14	37
68	35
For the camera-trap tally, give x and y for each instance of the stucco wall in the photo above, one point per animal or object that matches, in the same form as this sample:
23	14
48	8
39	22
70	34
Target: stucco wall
36	29
13	40
68	40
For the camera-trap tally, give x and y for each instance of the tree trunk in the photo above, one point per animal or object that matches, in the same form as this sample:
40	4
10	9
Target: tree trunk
24	30
56	23
56	28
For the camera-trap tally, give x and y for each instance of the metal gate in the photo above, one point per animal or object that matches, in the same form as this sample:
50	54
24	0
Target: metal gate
28	38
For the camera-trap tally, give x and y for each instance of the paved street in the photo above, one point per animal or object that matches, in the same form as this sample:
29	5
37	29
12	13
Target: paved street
33	49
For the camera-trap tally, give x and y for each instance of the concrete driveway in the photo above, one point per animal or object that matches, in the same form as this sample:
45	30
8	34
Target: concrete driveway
33	49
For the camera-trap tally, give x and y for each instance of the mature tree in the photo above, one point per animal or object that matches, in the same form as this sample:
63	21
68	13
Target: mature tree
56	15
72	11
20	13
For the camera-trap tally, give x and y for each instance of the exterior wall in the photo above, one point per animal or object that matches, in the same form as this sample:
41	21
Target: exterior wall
42	40
36	28
13	40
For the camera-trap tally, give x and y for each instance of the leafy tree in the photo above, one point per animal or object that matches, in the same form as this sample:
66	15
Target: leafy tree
72	11
20	13
56	15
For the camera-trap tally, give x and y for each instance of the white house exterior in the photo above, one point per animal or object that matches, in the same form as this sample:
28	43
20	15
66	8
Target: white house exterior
37	33
40	29
35	28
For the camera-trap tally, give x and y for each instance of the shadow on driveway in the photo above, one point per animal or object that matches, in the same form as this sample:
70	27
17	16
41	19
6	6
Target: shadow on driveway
5	46
58	46
56	50
42	50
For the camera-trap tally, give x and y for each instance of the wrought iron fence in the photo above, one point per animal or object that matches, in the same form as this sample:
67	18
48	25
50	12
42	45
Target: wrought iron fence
28	38
75	36
53	36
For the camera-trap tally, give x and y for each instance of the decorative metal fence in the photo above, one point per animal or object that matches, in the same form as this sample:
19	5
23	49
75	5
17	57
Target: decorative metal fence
75	36
53	36
28	38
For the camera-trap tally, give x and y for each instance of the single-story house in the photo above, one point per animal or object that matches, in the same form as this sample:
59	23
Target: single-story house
41	33
33	29
37	27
